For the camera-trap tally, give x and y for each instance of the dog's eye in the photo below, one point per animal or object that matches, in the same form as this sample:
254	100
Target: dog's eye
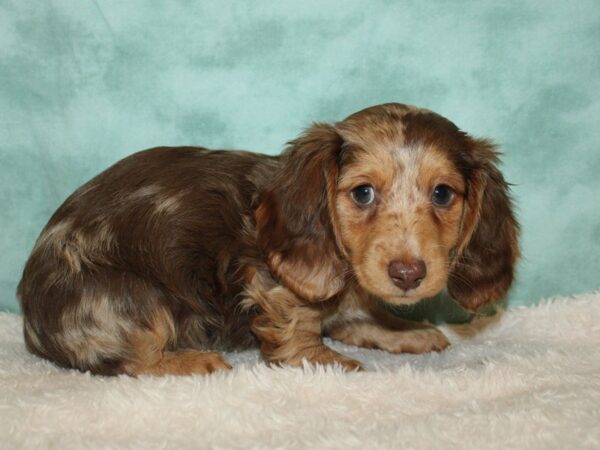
442	195
363	195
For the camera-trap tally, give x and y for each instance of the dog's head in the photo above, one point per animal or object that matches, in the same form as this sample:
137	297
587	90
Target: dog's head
397	197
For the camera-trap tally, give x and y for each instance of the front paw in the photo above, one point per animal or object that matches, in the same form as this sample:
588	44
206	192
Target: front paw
423	340
324	356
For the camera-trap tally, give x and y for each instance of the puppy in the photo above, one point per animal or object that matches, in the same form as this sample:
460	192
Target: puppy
175	253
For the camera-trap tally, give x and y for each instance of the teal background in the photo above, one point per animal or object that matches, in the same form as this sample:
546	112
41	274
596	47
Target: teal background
84	83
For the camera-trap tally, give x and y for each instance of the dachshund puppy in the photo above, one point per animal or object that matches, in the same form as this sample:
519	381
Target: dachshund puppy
175	253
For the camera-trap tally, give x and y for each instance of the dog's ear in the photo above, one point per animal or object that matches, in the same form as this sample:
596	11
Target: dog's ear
295	217
483	267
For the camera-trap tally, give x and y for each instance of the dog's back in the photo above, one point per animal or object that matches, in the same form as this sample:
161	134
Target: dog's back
142	253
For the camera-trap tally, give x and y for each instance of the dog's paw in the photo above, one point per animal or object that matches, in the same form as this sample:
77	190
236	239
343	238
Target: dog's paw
324	356
182	363
421	340
329	357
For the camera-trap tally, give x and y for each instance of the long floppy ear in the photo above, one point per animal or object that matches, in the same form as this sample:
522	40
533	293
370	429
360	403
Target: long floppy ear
483	268
295	217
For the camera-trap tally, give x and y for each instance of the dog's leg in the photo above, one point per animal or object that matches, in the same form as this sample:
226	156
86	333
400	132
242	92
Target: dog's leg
147	355
109	322
289	329
402	337
294	335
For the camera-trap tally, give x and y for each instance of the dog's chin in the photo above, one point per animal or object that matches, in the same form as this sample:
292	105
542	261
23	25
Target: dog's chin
392	295
402	299
399	297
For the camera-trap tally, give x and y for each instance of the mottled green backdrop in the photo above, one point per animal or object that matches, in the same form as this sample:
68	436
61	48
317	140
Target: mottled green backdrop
84	83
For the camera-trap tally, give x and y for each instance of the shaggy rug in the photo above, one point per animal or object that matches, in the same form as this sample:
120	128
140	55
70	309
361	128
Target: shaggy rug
527	378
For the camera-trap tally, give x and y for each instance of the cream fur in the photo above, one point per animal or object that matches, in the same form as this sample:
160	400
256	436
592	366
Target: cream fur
529	378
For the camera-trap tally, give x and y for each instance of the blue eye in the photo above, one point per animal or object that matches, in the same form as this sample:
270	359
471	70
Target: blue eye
442	195
363	195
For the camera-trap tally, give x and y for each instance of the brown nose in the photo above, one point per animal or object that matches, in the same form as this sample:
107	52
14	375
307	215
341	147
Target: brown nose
407	275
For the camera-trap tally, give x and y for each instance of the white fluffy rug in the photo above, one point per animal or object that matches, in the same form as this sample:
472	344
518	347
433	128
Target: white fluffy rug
529	378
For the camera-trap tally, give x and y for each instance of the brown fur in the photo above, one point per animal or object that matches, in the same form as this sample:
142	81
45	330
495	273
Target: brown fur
173	252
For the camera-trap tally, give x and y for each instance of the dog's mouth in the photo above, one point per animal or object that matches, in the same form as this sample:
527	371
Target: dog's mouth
393	295
396	296
403	299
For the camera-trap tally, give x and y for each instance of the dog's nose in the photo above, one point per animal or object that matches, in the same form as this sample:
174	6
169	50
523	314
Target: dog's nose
407	274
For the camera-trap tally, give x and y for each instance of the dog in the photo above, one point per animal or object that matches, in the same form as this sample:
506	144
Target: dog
174	254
